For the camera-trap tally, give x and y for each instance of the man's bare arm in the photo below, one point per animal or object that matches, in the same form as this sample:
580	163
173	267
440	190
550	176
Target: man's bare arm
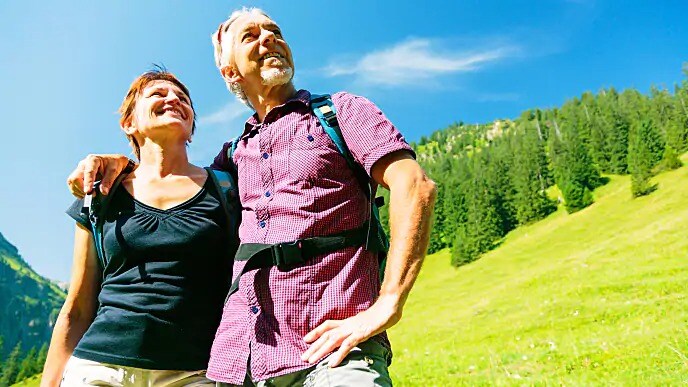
81	180
412	198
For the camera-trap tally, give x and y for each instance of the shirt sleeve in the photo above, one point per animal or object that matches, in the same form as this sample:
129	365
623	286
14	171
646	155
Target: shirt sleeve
367	132
75	211
221	161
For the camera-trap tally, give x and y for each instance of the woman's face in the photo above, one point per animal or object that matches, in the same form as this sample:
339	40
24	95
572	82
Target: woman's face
163	109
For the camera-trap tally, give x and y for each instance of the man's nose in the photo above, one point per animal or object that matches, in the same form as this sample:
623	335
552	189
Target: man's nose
267	36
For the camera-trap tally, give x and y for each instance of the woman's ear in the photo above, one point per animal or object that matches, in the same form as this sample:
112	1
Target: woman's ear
128	127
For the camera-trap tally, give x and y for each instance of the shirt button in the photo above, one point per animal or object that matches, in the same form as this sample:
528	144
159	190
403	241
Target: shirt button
261	224
255	309
267	194
265	155
310	138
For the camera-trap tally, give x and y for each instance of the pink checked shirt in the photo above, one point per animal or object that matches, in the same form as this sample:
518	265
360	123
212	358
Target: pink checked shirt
294	184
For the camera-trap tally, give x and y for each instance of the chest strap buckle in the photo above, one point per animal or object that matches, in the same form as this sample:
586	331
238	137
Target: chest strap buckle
287	255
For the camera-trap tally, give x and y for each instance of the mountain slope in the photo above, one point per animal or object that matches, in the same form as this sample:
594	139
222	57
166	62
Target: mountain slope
596	297
29	303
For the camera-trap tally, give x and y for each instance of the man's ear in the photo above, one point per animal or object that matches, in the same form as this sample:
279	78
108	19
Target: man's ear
230	74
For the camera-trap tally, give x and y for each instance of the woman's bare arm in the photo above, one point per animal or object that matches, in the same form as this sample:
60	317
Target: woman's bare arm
79	308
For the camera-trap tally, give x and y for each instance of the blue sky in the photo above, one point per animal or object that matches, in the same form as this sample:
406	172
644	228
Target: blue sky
65	67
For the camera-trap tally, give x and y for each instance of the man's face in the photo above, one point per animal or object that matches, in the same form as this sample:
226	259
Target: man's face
261	56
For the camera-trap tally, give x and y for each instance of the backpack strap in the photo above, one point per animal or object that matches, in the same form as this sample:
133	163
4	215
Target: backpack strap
323	108
287	255
230	157
226	186
95	206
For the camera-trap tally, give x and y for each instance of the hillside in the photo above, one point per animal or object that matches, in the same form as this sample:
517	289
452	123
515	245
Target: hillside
590	298
29	303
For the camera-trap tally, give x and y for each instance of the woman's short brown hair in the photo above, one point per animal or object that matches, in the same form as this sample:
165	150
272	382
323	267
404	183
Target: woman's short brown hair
135	90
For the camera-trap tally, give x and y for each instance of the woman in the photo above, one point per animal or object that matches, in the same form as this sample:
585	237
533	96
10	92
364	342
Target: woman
147	315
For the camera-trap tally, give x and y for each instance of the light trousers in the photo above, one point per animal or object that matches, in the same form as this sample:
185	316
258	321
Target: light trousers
365	365
81	372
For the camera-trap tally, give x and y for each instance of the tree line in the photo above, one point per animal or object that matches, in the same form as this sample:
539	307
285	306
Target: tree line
19	366
493	177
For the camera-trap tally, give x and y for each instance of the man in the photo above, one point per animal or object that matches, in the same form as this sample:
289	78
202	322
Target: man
322	322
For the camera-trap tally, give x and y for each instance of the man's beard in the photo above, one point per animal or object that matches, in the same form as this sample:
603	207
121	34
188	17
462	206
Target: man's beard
277	77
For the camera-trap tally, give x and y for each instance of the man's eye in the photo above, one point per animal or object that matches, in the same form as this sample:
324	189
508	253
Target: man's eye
277	32
247	38
156	93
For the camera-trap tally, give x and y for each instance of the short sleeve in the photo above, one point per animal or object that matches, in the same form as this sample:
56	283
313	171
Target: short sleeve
367	131
221	161
75	211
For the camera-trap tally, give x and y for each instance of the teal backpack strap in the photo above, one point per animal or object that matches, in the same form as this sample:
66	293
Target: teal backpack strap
323	108
230	156
226	185
96	205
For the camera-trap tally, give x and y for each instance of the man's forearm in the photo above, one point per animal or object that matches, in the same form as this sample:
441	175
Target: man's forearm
410	217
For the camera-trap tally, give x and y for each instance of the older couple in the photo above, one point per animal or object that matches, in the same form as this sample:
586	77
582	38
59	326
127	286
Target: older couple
319	322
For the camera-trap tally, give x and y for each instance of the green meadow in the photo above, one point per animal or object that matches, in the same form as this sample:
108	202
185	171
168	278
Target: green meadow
597	297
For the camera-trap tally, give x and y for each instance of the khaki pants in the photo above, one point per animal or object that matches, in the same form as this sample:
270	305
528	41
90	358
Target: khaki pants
366	365
80	372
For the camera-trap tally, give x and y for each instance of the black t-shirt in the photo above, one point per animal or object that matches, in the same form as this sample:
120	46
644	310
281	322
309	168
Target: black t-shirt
166	275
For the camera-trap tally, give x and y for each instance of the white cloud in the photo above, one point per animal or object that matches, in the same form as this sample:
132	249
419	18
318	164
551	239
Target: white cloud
417	60
226	115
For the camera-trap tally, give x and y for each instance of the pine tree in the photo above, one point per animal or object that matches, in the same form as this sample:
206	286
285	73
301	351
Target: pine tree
11	367
574	171
530	198
483	226
670	160
27	367
644	153
498	159
40	358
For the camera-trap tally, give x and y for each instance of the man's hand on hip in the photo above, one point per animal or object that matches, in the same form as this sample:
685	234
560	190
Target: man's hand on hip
348	333
82	179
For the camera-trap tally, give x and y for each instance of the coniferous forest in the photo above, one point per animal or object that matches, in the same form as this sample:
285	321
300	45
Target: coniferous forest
493	177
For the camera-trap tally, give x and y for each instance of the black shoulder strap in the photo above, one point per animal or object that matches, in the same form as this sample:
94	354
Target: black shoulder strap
97	205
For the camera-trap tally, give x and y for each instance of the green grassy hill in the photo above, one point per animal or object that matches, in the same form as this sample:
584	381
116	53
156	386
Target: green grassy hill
33	381
596	297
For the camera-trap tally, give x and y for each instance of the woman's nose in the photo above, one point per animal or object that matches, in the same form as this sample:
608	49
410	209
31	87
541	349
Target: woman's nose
172	97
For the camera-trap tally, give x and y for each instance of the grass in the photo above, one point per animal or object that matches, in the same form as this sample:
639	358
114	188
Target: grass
592	298
33	381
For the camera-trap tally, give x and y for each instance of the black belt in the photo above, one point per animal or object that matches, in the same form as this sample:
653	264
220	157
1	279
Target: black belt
288	255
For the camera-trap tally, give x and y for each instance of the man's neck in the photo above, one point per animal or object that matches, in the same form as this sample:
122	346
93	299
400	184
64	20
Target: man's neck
267	98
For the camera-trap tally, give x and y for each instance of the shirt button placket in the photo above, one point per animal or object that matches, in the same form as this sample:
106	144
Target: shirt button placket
266	161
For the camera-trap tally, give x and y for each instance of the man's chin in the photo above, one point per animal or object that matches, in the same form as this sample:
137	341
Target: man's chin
277	77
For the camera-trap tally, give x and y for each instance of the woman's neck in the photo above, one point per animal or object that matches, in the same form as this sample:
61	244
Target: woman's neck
161	160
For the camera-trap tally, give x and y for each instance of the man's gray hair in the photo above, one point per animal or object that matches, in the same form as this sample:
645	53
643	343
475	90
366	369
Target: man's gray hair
222	57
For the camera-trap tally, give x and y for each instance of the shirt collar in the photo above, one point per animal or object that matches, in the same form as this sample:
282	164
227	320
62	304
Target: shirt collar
302	97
